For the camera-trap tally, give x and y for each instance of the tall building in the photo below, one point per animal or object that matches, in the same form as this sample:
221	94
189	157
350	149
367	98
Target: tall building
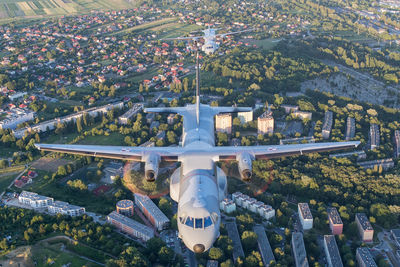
332	251
65	208
299	250
263	245
223	123
151	211
397	143
265	123
335	222
227	205
34	200
364	258
129	226
364	227
374	136
350	128
125	207
305	216
130	113
245	117
327	126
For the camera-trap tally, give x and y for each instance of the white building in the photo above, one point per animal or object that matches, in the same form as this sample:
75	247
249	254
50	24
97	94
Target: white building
227	205
12	121
65	208
151	211
305	216
245	117
130	113
299	250
246	202
223	123
268	212
34	200
129	226
332	252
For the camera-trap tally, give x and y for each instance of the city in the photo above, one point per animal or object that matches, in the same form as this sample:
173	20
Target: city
81	74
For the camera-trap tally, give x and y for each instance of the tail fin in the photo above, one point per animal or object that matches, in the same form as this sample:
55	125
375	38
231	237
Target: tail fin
197	89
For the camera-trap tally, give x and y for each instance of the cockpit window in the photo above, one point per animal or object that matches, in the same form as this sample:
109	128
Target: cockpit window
199	223
189	222
207	221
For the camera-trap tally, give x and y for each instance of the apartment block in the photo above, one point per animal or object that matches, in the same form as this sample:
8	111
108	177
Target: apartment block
364	258
34	200
265	123
364	227
299	250
335	222
151	211
61	207
332	251
305	216
327	126
130	227
374	136
223	123
245	117
350	128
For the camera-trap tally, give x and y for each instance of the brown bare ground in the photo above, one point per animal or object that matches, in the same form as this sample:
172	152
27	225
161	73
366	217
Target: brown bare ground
49	164
19	257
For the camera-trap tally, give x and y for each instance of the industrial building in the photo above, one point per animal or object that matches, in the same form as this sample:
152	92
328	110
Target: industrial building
223	123
151	211
265	123
335	222
327	126
364	258
130	227
61	207
299	250
364	227
305	216
245	117
350	128
34	200
227	205
397	143
130	113
332	251
125	207
263	245
374	136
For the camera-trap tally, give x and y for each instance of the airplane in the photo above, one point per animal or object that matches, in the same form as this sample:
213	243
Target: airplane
210	39
198	185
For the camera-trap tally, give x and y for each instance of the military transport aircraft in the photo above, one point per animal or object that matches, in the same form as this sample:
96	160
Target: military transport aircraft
210	39
198	185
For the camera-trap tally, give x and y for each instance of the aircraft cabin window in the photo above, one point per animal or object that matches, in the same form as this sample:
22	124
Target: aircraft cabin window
199	223
189	222
181	219
207	221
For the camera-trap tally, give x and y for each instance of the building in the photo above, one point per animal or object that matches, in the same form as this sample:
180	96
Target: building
299	250
246	202
297	140
130	113
290	108
327	126
52	124
396	236
171	119
332	252
125	207
305	216
335	222
227	205
302	115
34	200
265	123
350	128
360	155
397	143
151	211
385	164
267	212
11	122
263	245
212	263
130	227
364	258
223	123
364	227
245	117
61	207
374	136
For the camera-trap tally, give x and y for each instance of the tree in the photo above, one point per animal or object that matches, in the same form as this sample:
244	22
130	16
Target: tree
166	255
249	240
165	206
215	253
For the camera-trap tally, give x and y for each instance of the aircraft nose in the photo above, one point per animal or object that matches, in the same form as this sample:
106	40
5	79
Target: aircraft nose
198	248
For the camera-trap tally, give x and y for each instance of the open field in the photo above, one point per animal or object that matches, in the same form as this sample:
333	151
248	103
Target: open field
49	164
146	26
266	44
5	180
41	8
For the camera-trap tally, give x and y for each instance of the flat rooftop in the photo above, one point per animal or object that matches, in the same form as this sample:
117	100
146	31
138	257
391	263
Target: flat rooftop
130	223
334	216
305	211
333	250
365	224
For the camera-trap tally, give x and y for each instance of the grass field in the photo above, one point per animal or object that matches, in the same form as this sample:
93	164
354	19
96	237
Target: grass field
6	180
266	44
40	8
146	26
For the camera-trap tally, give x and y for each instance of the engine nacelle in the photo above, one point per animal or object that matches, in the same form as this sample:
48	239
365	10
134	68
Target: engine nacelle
245	166
151	163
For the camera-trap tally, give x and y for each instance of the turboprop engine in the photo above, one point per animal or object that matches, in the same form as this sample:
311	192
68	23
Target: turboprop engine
245	166
151	164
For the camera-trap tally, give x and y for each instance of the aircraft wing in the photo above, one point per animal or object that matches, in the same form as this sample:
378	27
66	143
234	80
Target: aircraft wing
269	152
115	152
194	38
229	33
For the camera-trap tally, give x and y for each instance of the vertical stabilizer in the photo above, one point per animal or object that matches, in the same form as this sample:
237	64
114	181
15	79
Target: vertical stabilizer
197	89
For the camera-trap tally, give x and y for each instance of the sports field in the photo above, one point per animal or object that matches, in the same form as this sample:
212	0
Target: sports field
39	8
